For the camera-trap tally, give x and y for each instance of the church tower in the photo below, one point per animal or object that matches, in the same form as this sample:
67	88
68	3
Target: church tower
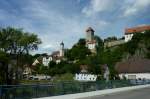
61	49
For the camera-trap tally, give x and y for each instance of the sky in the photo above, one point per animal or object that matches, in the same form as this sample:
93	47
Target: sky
55	21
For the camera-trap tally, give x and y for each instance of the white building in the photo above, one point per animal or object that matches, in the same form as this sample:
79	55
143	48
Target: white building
135	76
129	32
46	60
35	62
39	77
61	52
85	77
56	56
134	69
128	37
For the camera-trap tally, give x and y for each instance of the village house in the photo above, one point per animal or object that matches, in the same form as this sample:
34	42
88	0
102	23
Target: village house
129	32
56	56
134	69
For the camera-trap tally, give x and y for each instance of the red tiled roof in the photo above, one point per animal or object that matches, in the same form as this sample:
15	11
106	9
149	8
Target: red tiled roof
137	29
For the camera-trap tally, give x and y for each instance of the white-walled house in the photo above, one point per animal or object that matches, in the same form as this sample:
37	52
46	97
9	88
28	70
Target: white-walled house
56	56
46	60
135	75
128	37
35	62
85	77
134	69
129	32
39	77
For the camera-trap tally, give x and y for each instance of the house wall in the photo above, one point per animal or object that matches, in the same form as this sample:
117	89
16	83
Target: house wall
40	77
135	75
91	46
35	62
128	37
46	61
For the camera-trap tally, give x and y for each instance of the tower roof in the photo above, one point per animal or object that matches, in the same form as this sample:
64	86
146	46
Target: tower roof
62	43
89	29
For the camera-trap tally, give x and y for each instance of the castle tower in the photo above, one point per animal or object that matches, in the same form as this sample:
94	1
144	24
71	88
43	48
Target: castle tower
89	34
61	49
90	41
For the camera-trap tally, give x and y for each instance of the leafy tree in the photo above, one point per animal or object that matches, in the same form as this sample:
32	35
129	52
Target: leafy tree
15	42
100	44
3	68
79	51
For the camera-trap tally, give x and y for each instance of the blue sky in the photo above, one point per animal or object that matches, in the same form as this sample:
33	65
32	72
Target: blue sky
66	20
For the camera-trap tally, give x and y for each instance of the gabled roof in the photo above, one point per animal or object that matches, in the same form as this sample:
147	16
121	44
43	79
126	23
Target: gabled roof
137	29
55	53
134	66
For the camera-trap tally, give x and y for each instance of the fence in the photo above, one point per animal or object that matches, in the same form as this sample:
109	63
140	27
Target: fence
61	88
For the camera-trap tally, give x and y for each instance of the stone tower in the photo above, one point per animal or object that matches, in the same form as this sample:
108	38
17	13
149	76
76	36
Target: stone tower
90	41
89	34
61	49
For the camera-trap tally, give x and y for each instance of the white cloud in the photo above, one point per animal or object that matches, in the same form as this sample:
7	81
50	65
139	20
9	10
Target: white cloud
102	23
124	7
55	26
135	7
97	6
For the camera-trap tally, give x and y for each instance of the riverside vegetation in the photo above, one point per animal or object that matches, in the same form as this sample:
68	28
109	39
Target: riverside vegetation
15	44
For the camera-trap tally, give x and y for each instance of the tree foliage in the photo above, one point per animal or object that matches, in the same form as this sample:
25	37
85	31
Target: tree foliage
17	44
79	51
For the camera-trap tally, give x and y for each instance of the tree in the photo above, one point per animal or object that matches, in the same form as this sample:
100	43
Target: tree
79	51
17	43
100	44
3	68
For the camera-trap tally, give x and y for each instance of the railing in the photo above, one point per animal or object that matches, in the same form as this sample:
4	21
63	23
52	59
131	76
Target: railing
61	88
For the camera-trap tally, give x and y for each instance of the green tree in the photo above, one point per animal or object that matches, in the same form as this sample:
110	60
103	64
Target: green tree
15	42
79	51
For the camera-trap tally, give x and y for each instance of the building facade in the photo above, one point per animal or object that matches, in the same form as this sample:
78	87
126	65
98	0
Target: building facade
138	69
90	41
61	52
56	56
129	32
46	60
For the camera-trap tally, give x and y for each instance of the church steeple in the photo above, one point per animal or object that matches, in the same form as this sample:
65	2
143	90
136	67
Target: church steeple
62	49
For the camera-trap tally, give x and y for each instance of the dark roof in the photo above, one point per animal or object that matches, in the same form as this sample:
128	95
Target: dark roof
133	66
62	43
55	53
89	29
